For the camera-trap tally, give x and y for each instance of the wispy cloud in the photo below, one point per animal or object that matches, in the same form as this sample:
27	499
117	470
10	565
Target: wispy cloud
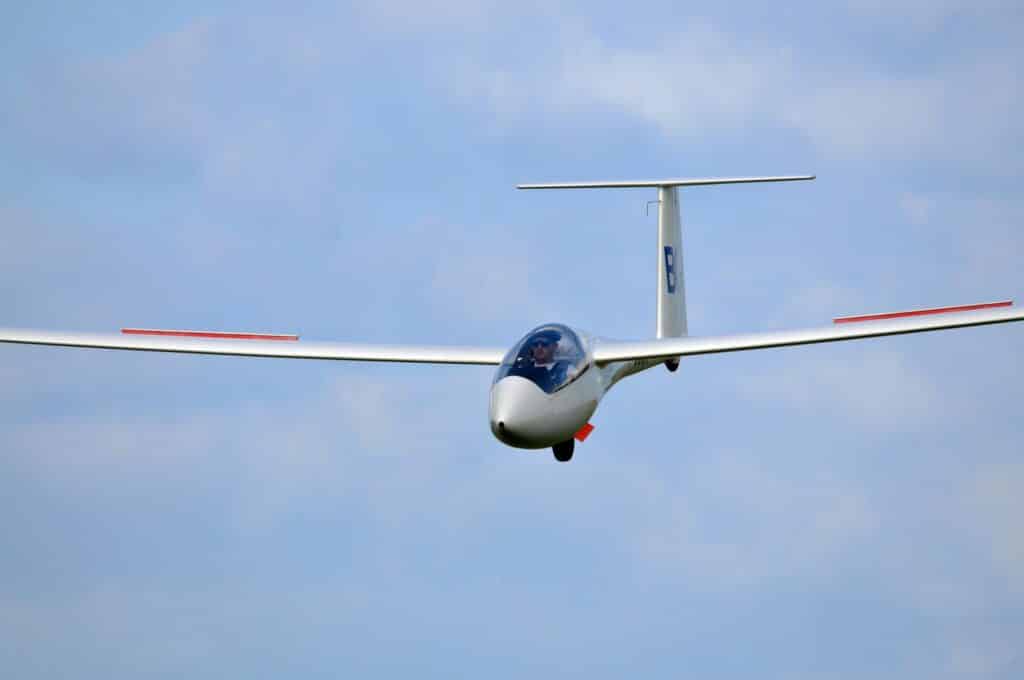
327	169
700	79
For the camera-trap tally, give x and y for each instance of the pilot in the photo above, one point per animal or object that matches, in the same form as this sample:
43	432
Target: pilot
546	371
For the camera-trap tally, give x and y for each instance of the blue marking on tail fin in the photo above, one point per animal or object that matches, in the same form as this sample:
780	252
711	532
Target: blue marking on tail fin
670	269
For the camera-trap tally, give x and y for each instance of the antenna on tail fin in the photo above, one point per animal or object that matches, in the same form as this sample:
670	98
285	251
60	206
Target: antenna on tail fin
671	301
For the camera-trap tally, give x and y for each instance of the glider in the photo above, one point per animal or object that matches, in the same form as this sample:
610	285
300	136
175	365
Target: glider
548	385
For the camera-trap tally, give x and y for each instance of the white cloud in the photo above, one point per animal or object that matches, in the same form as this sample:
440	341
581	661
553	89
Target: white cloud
694	82
922	15
980	229
121	110
751	541
266	456
397	463
882	390
996	504
478	275
255	108
700	80
962	112
452	16
991	242
917	208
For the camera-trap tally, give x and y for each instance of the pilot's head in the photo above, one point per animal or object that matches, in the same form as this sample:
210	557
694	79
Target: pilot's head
543	345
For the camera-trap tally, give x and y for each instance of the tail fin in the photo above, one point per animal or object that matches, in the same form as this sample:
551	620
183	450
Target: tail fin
671	285
671	282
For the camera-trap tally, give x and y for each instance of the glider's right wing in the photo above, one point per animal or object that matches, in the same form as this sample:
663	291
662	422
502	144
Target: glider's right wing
253	345
844	328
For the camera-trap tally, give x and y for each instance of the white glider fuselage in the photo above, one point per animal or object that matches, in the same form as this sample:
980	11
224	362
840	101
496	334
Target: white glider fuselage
549	384
528	412
524	416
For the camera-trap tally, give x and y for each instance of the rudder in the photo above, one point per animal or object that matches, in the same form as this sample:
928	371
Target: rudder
671	319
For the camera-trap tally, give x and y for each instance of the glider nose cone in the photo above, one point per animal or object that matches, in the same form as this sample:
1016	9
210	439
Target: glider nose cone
514	405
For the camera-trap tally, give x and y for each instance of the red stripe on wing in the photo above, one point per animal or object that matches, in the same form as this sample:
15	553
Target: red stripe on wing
923	312
216	335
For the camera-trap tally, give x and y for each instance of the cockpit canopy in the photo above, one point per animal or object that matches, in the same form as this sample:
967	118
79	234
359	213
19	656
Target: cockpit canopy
551	356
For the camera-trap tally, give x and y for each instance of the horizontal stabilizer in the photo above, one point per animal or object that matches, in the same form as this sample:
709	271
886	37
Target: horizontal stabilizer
664	182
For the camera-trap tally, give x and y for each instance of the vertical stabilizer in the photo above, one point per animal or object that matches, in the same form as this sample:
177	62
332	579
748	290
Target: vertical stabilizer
671	282
671	287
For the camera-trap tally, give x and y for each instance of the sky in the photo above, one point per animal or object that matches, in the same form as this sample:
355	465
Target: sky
346	172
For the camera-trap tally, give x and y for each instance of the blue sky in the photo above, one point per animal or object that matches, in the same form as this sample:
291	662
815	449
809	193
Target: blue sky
346	172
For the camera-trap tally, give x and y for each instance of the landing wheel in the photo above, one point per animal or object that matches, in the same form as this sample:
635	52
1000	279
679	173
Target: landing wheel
563	451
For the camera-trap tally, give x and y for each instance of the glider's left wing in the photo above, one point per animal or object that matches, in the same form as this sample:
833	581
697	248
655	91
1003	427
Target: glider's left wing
254	345
844	328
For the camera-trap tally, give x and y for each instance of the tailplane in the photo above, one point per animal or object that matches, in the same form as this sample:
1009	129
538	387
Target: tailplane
671	301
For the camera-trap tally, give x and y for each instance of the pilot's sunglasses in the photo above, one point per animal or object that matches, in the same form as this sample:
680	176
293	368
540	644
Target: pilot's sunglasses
540	343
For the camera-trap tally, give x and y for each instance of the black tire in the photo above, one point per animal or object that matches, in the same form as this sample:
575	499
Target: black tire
563	451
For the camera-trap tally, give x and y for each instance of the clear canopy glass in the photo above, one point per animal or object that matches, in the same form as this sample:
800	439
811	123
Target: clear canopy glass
551	356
